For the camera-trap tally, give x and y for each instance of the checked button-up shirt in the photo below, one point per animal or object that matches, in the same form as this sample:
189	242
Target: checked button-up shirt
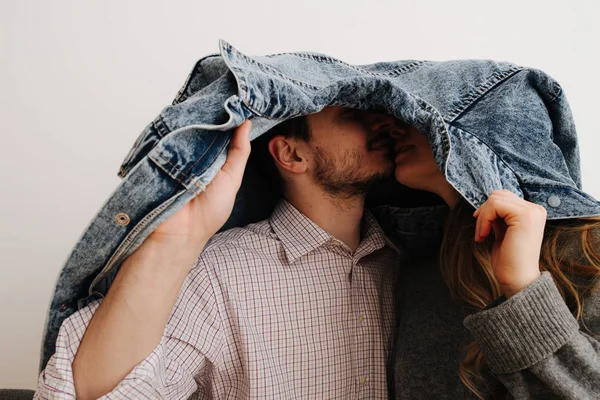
278	309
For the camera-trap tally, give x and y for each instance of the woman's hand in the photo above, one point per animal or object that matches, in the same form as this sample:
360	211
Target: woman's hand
519	230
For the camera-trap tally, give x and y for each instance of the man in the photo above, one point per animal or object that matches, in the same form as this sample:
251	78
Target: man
297	306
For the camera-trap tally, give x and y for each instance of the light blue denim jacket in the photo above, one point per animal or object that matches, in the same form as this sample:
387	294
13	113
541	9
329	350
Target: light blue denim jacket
491	125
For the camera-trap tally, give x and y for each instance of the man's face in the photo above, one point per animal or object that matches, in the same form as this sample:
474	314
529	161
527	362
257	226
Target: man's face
347	156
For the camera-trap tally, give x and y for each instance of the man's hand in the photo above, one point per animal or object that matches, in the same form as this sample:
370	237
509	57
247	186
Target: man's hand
519	230
202	216
130	321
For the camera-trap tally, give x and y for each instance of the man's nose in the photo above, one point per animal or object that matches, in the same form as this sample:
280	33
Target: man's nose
378	121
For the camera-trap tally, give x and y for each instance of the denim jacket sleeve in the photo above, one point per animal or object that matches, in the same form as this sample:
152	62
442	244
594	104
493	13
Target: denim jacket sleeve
536	347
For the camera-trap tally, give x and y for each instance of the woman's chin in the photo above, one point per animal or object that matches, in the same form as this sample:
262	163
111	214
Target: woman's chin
418	175
404	177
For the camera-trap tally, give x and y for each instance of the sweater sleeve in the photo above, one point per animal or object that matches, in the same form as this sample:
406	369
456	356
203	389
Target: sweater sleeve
536	347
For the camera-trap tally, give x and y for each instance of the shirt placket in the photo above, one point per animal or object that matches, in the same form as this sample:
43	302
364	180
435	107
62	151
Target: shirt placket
361	325
348	263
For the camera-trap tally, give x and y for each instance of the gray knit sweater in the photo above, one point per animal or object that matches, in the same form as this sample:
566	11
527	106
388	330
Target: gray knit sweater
533	345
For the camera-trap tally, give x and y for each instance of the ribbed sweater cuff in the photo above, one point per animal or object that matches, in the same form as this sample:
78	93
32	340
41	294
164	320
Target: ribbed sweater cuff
524	329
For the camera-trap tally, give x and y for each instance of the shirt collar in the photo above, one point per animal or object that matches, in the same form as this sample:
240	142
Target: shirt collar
299	235
373	237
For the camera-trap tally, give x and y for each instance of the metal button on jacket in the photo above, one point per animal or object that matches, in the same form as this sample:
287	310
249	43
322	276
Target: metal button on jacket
553	201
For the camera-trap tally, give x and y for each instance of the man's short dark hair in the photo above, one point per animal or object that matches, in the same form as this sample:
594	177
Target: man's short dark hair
297	128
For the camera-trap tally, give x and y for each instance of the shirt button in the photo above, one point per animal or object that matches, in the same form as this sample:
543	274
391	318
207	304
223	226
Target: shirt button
553	201
363	380
361	318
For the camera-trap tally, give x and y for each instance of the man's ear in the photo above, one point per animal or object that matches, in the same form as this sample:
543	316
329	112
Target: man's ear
287	154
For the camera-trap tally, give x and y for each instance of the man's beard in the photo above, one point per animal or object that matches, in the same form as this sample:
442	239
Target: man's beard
342	177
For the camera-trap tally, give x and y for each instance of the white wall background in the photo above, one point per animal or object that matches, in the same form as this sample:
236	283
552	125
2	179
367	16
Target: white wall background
79	81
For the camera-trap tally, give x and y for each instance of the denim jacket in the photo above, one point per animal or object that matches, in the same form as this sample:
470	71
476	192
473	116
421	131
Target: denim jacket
491	125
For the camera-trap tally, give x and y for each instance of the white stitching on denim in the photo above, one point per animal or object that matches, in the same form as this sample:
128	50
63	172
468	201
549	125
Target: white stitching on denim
331	60
270	69
507	165
495	79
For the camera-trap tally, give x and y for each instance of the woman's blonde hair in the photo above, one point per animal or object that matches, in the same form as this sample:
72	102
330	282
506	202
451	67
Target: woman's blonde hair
569	252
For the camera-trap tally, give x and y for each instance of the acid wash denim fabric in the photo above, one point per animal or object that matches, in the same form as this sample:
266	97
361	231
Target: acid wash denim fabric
491	125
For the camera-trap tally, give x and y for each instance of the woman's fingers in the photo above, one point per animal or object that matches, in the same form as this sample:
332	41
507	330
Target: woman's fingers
500	205
499	227
503	209
518	227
